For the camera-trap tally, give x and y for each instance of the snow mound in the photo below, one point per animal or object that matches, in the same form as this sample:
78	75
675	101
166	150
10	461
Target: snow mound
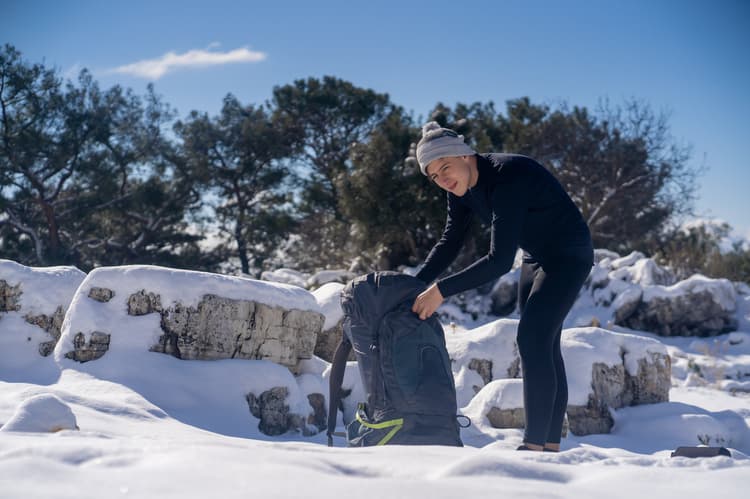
682	423
42	413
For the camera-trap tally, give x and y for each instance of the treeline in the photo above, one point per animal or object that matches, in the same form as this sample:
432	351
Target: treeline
317	177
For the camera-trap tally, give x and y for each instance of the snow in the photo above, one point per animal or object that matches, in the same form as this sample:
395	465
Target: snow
285	276
328	276
188	287
627	261
328	297
582	346
42	413
721	289
44	288
494	341
500	393
151	425
43	291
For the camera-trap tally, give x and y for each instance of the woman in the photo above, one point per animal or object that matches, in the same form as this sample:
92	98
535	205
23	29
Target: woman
527	208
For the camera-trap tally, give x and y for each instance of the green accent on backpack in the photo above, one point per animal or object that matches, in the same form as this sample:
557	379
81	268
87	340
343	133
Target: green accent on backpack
397	424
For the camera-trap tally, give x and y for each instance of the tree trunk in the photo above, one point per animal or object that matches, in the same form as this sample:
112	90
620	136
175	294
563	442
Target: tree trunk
53	232
241	244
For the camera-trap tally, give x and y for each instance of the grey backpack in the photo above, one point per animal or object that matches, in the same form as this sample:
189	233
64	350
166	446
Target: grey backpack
403	363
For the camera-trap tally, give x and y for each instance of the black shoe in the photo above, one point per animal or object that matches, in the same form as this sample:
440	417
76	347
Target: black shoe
523	447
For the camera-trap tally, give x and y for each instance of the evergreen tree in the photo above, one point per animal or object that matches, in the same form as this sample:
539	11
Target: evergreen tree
86	175
331	116
240	154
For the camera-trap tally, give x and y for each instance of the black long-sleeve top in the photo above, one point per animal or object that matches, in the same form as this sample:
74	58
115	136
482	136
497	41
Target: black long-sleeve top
526	207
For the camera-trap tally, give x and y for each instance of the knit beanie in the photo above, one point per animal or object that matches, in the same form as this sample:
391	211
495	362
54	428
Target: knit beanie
437	142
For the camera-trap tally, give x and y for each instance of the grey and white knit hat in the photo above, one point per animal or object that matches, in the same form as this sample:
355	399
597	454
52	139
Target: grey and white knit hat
438	142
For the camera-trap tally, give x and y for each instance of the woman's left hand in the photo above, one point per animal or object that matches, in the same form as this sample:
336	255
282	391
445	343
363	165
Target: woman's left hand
427	302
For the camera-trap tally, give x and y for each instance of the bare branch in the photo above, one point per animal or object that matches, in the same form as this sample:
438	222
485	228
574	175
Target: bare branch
38	244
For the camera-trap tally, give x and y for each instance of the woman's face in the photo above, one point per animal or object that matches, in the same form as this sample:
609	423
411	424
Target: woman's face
452	174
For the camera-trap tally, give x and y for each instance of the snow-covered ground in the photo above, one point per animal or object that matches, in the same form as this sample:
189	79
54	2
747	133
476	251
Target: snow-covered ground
144	424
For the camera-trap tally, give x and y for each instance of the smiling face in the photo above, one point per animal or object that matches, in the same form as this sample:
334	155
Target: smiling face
454	174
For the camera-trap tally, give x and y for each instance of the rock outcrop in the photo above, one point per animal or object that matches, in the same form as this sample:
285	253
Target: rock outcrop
241	319
698	306
605	370
272	409
39	297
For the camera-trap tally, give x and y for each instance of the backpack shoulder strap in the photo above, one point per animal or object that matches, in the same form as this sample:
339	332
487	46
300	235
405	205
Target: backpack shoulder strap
334	384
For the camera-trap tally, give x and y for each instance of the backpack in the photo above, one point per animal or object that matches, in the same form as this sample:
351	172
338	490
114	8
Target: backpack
403	362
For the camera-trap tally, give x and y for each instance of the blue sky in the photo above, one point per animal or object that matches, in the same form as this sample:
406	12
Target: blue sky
688	58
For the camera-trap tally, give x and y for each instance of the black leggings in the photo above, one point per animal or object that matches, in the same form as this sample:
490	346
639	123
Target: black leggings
544	299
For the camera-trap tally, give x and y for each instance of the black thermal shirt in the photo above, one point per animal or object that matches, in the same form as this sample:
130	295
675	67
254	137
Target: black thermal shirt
526	207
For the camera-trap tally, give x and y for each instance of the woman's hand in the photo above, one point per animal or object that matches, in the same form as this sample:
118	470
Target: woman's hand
427	302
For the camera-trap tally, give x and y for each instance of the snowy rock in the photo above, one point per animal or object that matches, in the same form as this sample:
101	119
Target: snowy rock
627	303
608	370
224	328
314	388
272	409
500	403
605	370
504	294
141	302
483	368
51	324
482	355
627	275
285	276
329	276
319	415
84	351
10	296
189	315
628	260
697	306
635	292
101	294
327	341
328	297
647	272
598	277
44	413
33	301
604	254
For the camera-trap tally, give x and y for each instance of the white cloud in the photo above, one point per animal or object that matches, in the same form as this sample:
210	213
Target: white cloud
153	69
